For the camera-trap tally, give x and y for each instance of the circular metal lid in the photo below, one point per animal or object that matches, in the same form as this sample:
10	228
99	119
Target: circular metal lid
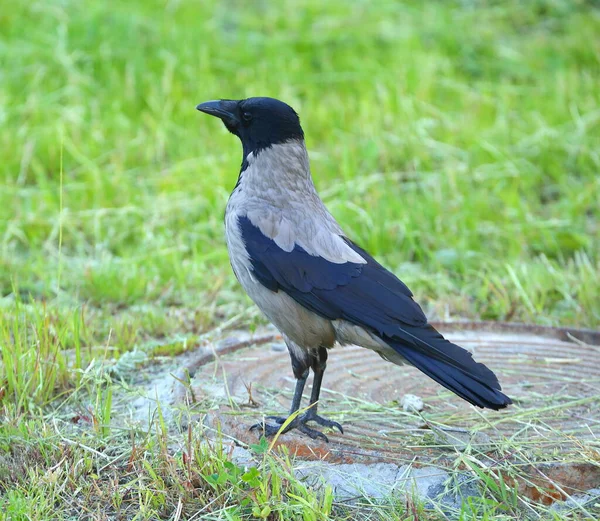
552	375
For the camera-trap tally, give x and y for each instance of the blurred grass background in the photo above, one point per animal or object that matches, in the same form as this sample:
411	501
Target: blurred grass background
459	141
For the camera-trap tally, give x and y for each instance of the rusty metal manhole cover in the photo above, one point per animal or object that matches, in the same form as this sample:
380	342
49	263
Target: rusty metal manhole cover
552	374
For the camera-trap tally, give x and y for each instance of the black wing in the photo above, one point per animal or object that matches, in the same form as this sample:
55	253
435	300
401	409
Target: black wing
366	294
372	297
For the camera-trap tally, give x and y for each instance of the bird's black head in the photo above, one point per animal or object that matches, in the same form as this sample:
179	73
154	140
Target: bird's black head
258	122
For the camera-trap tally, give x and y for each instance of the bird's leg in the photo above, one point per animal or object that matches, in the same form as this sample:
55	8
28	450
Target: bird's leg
300	383
319	365
318	368
301	362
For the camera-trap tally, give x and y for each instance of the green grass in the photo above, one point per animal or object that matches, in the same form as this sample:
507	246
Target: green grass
458	141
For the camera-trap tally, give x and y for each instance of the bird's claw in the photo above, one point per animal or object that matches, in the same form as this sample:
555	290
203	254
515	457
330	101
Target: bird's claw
323	421
298	423
266	428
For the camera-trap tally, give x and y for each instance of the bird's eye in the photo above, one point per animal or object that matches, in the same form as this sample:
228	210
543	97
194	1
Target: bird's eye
246	116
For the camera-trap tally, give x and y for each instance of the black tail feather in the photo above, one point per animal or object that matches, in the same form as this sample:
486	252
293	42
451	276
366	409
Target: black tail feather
450	365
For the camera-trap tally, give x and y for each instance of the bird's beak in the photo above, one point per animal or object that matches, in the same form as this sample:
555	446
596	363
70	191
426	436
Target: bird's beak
223	109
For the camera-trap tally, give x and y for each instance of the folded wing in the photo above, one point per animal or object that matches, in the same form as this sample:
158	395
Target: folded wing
372	297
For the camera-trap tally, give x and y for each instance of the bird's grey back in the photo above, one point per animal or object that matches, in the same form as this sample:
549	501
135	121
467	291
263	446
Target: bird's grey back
277	194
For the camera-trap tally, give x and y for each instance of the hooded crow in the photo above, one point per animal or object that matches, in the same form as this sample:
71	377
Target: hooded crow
312	282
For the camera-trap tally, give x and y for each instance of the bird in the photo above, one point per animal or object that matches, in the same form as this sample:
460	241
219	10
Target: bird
317	286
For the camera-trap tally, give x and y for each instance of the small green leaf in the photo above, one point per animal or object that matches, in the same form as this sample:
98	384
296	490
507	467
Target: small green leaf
261	447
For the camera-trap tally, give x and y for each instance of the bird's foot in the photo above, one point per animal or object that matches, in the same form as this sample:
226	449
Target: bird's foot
298	423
